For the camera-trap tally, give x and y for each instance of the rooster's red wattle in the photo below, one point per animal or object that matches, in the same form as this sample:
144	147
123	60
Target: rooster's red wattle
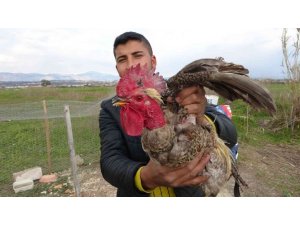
139	110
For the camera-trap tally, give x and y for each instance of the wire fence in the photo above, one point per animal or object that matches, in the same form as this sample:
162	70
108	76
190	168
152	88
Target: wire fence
35	134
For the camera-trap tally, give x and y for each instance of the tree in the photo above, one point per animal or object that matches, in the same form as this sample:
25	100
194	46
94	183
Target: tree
291	64
45	83
291	49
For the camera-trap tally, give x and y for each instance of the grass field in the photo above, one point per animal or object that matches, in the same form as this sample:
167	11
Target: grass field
23	143
254	130
257	132
34	94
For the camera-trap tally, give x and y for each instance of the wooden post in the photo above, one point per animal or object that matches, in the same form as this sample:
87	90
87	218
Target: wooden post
72	150
47	131
247	120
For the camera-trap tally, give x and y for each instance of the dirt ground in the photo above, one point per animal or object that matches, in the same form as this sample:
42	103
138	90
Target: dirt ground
269	171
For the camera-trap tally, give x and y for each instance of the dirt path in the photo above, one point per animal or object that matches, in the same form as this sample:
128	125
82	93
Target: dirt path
269	171
273	170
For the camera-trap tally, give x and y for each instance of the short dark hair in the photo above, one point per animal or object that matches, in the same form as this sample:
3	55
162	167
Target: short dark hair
127	36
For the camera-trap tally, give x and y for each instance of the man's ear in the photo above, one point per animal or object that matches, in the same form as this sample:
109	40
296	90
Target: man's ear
153	62
118	71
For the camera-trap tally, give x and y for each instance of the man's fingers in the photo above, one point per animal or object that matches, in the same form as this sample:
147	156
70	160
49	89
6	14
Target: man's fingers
194	109
196	181
193	98
191	171
186	92
170	99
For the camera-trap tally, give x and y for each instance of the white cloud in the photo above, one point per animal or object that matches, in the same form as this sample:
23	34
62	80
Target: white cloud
81	50
181	32
4	59
257	49
56	50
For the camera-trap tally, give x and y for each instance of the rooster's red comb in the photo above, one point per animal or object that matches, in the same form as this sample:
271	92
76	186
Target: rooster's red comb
139	77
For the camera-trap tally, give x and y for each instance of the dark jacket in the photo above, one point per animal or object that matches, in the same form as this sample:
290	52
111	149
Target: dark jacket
122	155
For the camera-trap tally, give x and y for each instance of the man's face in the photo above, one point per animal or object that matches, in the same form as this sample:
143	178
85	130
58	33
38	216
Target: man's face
131	54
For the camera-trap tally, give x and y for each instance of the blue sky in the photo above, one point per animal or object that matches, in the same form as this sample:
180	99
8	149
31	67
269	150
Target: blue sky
67	39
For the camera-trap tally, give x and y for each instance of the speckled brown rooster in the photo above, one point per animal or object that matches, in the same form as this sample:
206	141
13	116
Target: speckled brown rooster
169	134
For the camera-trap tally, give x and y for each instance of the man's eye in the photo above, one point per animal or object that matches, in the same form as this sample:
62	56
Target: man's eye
121	59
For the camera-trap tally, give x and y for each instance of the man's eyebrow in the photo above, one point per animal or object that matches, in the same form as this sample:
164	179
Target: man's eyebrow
133	53
137	52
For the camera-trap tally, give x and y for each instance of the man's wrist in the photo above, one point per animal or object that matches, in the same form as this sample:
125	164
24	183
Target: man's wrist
146	179
139	183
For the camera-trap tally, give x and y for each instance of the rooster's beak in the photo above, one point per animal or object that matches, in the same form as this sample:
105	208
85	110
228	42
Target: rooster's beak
117	101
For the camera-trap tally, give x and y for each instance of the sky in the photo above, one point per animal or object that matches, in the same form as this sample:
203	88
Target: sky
78	50
74	38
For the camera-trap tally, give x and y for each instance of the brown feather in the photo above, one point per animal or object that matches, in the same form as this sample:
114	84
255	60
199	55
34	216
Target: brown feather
227	79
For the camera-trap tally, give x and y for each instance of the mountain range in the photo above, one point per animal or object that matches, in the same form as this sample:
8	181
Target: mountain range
88	76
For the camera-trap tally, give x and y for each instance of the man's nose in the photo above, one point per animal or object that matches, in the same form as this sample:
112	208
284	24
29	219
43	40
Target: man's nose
130	63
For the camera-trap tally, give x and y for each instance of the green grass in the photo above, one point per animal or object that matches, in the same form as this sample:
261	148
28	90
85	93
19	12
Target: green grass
34	94
257	132
23	142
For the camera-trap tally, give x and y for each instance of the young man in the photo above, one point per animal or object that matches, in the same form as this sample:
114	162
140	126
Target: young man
123	162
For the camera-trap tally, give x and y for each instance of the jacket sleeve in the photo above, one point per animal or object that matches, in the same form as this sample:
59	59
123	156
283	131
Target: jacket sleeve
225	128
116	167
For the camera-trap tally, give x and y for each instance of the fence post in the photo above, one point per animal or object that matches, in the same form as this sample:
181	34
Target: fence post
247	120
47	131
72	150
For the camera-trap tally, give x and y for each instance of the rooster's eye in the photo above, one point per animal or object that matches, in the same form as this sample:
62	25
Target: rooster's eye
139	98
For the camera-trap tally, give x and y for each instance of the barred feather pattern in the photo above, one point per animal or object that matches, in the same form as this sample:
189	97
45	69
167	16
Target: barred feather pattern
229	80
173	149
219	169
176	144
182	80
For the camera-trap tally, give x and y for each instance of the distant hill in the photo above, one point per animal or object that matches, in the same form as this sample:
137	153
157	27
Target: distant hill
88	76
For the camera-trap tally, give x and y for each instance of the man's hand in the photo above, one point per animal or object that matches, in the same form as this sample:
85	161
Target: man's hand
154	175
192	99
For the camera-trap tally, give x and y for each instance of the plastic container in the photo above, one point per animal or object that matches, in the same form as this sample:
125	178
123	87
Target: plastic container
212	99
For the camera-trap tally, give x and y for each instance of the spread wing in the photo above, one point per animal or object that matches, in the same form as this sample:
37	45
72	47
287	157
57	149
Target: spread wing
229	80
